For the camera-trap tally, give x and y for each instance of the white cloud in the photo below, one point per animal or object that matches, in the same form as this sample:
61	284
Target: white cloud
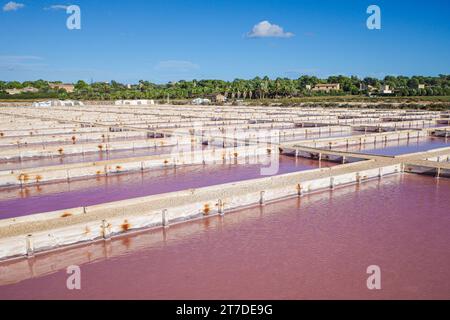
176	66
13	59
57	7
13	6
20	63
296	72
265	29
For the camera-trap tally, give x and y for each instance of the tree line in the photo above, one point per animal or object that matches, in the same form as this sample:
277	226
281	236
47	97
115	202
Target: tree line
256	88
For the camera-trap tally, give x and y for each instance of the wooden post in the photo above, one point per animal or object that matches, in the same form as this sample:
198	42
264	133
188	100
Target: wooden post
299	190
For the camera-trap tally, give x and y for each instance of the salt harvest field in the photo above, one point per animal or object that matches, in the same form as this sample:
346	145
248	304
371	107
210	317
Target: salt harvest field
295	200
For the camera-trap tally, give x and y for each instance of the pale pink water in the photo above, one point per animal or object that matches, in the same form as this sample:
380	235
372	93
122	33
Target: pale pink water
58	196
318	246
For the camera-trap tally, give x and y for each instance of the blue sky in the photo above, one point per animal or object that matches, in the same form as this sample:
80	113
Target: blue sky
167	40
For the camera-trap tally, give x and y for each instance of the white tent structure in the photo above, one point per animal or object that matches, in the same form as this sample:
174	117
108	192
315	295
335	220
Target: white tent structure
200	101
42	104
133	102
66	103
58	103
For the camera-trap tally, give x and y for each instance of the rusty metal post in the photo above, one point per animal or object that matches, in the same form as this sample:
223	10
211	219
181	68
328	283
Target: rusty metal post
221	208
299	190
106	232
358	178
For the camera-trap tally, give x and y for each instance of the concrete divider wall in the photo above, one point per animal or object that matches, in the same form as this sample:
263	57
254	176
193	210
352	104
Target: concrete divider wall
393	126
363	139
221	136
442	133
443	158
323	155
101	136
84	148
414	117
20	131
30	127
438	169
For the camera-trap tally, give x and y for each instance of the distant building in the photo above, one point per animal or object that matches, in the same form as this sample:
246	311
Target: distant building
23	90
420	86
200	101
367	87
308	87
220	98
13	91
385	89
327	87
66	86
